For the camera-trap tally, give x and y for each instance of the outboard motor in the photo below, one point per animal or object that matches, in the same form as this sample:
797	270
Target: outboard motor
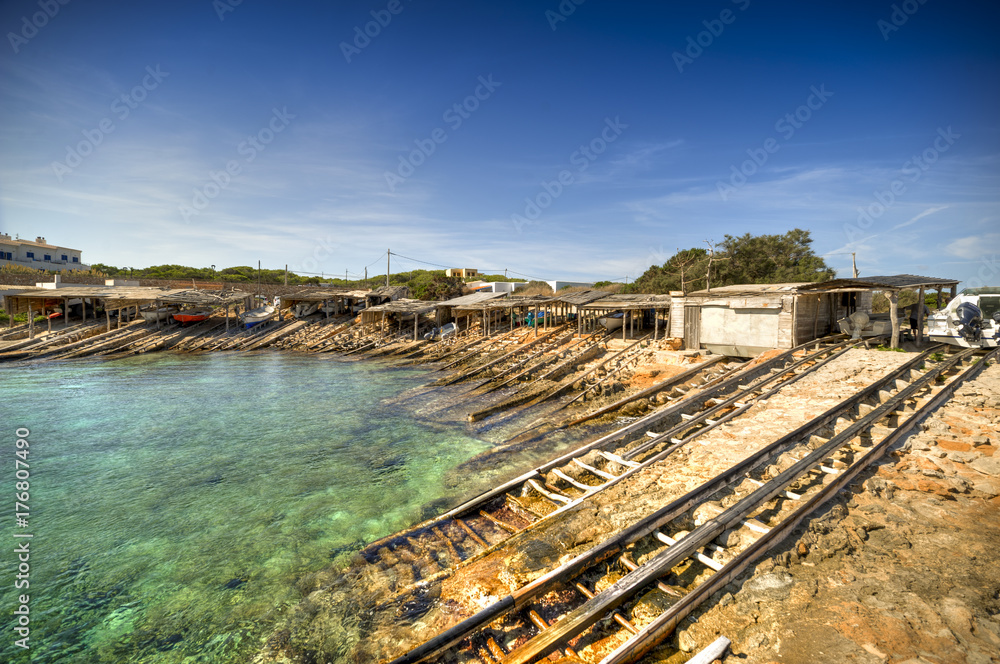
970	322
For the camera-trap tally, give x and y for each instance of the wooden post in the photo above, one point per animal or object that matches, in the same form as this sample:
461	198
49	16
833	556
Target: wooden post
227	319
415	318
107	315
326	308
83	308
534	321
894	318
31	321
156	310
656	324
48	320
920	317
940	292
624	324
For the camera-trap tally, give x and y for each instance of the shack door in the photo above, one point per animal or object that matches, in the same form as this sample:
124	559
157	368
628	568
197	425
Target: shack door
692	327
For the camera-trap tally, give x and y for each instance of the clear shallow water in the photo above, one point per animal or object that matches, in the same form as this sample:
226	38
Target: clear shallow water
175	500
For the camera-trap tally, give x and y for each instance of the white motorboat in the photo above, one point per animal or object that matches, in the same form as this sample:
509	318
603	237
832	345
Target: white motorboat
303	309
612	322
257	316
970	320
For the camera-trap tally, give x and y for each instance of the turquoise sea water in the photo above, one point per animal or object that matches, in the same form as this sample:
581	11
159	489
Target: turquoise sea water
175	500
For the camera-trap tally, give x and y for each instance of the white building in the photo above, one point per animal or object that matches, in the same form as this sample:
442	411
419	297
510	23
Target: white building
39	255
557	285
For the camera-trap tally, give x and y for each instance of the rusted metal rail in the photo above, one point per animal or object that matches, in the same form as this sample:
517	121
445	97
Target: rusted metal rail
808	474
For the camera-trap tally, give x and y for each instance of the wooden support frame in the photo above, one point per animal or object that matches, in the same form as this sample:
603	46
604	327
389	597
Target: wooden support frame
894	318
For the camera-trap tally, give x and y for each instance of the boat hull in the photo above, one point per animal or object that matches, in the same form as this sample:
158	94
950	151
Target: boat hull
159	314
257	316
611	323
192	317
945	327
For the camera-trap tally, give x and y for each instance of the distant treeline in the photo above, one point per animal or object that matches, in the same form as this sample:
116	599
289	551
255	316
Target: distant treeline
423	284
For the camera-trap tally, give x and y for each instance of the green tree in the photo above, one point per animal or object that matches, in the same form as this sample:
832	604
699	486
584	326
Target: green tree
747	259
770	259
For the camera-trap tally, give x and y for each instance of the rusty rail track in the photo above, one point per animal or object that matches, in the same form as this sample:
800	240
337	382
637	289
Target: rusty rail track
513	509
770	492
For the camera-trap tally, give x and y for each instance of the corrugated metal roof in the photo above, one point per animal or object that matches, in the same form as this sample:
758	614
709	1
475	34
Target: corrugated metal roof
896	281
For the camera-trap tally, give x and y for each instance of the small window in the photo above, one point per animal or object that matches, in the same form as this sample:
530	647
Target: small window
31	254
48	257
75	259
65	257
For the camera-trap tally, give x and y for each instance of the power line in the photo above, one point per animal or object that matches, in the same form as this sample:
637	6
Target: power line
419	261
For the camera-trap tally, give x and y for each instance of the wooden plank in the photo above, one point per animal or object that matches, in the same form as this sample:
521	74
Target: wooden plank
653	389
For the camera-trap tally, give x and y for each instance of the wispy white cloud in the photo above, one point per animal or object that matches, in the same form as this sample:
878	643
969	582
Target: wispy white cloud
915	219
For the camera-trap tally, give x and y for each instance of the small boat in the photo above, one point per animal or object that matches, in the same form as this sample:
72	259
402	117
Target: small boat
970	320
192	316
55	314
612	322
257	316
441	332
859	325
303	309
153	315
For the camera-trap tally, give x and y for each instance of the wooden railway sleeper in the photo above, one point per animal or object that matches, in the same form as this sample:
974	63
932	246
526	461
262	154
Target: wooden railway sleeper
542	626
554	498
586	488
595	471
616	615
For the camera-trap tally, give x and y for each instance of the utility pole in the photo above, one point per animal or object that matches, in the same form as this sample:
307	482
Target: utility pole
387	254
366	277
855	264
286	274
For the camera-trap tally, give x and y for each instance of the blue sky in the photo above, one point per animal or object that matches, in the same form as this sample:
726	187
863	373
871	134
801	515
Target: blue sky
556	140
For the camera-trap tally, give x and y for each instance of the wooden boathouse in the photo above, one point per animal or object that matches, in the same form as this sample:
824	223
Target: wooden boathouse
747	319
119	299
